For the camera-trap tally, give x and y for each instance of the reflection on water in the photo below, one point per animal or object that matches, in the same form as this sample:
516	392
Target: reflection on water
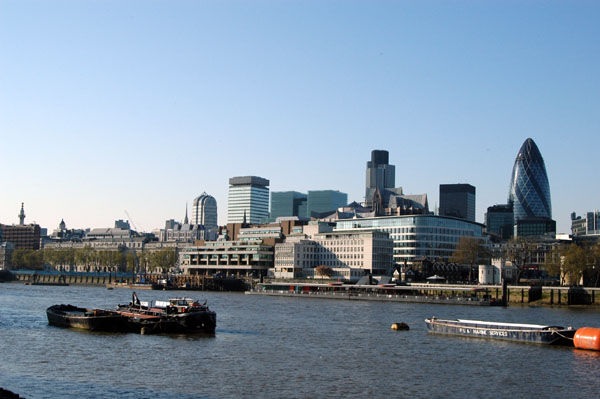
283	347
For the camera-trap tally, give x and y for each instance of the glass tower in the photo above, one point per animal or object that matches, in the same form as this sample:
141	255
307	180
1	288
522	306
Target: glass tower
529	188
320	201
457	200
288	203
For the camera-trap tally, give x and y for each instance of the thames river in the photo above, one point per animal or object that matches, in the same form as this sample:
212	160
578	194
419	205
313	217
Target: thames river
271	347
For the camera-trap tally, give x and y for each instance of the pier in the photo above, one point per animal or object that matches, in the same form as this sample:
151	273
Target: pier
385	292
435	293
126	280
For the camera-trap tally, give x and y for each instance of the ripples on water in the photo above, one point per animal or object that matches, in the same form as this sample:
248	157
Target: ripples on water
284	347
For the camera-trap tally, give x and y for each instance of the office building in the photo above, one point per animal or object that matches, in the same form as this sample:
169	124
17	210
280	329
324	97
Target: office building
418	236
288	204
248	200
535	226
529	188
380	175
324	201
457	200
22	236
380	194
204	211
350	254
499	221
240	258
588	225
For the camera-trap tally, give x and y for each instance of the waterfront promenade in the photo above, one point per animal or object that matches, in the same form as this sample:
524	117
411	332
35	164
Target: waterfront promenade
415	292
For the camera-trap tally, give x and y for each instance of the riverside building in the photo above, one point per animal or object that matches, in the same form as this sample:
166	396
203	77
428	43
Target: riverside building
417	236
350	254
240	258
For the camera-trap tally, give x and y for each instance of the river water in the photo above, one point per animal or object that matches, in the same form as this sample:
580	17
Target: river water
271	347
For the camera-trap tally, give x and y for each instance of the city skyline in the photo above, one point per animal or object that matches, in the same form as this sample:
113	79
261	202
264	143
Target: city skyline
128	106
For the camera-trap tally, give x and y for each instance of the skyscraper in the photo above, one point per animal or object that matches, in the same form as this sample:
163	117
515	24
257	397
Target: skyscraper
380	174
499	221
529	188
457	200
204	211
248	200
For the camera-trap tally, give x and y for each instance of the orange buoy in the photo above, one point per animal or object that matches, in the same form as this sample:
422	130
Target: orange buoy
587	338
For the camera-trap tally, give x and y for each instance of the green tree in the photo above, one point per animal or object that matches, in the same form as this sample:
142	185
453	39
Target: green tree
470	251
130	261
84	257
554	263
163	259
18	258
575	262
595	263
28	259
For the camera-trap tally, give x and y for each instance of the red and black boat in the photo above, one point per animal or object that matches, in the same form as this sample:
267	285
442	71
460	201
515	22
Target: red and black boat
176	316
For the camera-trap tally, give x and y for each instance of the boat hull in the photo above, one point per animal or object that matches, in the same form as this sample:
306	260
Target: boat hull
202	322
70	316
502	331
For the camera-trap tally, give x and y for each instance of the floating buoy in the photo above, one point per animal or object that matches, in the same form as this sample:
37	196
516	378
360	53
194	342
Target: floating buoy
400	326
587	338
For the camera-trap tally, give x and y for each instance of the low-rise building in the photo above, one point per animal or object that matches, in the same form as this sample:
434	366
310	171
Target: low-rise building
240	258
349	254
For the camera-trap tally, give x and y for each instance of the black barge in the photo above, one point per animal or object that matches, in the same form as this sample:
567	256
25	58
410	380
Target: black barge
86	319
530	333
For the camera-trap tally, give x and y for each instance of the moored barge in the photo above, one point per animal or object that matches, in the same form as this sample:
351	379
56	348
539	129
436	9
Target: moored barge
530	333
177	315
86	319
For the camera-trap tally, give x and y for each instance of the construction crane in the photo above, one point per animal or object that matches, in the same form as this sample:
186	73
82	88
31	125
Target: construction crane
131	220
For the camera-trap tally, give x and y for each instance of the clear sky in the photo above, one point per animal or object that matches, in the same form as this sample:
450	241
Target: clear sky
107	106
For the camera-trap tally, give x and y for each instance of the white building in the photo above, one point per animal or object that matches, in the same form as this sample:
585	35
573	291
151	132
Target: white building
350	254
248	200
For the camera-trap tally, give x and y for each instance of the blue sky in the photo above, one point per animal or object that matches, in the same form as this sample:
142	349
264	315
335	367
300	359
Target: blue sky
107	106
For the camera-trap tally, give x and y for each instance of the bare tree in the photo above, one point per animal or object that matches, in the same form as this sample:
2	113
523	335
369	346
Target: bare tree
324	271
469	251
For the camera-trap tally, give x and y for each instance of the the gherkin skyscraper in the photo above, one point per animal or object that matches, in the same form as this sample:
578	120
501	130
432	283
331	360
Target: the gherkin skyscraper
529	188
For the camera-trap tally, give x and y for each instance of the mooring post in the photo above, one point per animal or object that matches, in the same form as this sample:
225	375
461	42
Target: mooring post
522	295
551	297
